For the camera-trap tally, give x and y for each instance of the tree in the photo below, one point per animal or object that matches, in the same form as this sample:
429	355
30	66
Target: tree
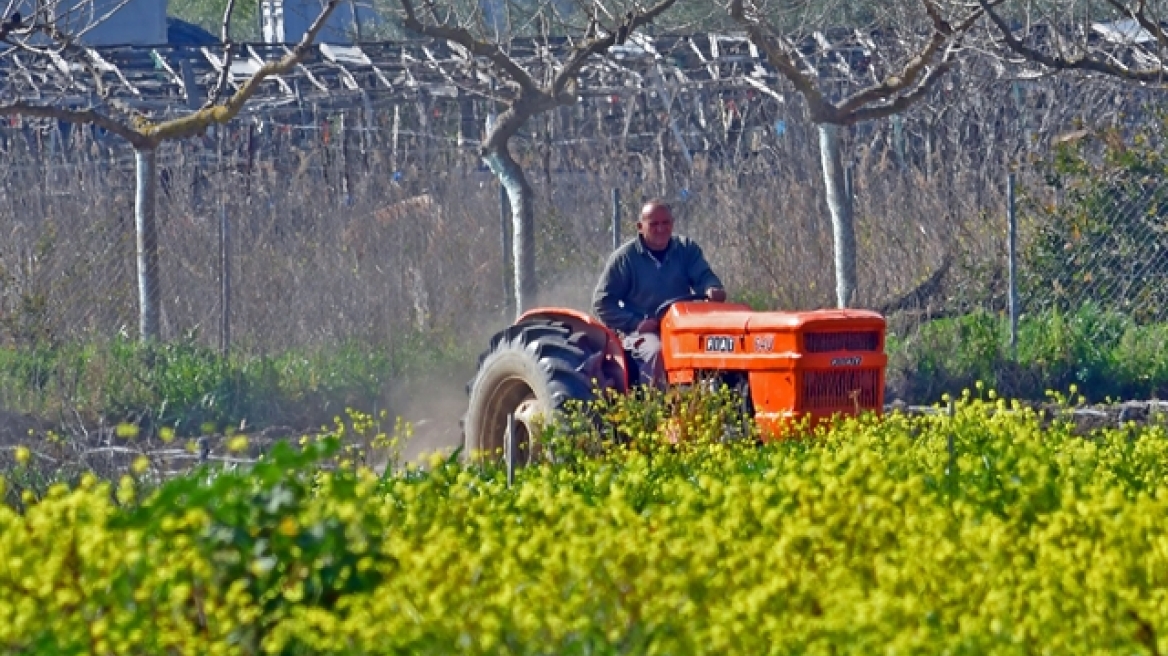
870	73
207	13
524	92
42	35
1123	39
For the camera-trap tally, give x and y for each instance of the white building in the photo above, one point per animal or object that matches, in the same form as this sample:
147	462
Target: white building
286	21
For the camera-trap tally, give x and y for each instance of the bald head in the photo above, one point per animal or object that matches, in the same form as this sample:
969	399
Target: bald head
656	224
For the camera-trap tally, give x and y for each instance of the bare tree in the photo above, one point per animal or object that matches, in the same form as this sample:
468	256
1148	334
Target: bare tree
525	92
864	74
51	35
1123	39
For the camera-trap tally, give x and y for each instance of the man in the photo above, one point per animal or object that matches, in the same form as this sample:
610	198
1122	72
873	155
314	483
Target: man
644	273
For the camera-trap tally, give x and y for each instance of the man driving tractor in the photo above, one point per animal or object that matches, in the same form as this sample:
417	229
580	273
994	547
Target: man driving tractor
642	274
785	366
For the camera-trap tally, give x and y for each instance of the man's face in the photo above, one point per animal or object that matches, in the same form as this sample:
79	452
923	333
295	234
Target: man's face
656	227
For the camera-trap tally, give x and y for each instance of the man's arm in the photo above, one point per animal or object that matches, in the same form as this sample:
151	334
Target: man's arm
614	286
702	278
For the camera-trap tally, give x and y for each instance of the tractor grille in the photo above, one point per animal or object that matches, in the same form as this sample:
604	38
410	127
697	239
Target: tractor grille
824	390
867	340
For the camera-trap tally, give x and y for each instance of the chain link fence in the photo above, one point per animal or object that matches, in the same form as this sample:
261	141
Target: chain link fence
328	241
281	233
1103	242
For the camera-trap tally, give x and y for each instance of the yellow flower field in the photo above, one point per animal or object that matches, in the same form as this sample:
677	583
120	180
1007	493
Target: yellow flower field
874	538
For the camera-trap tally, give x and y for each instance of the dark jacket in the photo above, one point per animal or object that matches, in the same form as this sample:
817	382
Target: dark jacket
634	283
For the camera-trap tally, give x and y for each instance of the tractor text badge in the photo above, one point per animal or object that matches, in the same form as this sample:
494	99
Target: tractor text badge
720	344
853	361
764	343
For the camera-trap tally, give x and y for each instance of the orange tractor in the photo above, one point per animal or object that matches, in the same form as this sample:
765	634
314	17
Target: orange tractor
787	366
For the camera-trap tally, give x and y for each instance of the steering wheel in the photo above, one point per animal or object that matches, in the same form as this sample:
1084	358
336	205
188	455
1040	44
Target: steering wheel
664	307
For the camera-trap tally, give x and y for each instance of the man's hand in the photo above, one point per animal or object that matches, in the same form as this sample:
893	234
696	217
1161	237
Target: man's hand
716	294
648	326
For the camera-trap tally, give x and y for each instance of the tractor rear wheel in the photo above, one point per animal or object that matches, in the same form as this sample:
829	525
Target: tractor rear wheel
531	370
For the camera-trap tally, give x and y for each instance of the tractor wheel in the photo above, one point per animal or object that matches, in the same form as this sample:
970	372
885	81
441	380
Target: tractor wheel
531	370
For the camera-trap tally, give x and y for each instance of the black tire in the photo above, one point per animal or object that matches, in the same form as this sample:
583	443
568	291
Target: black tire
531	370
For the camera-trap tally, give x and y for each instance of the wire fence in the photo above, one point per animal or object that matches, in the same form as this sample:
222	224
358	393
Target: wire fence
310	264
280	235
1104	243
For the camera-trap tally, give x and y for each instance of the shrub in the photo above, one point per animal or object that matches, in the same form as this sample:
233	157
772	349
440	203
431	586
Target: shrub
980	532
1104	352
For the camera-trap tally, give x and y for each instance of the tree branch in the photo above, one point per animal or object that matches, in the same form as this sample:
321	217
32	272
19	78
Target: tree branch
104	17
819	107
910	75
903	101
634	20
1139	14
464	38
228	56
917	75
1058	62
79	117
199	121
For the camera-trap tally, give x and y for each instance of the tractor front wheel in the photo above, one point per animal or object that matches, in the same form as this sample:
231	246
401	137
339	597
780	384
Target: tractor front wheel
531	370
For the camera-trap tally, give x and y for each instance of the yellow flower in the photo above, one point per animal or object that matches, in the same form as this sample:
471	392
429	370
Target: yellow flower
289	527
141	464
237	444
126	431
22	455
125	493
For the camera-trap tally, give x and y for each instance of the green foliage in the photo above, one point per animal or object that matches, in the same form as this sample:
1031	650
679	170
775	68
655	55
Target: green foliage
648	419
192	388
1140	360
1105	353
1101	241
1076	348
208	14
980	532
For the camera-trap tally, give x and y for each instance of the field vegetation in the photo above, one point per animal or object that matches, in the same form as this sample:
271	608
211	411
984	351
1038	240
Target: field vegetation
976	525
194	390
988	529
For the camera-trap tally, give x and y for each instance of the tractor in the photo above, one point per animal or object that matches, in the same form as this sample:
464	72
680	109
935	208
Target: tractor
788	367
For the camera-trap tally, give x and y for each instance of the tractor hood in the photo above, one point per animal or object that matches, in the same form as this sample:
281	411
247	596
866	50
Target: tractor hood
738	318
798	364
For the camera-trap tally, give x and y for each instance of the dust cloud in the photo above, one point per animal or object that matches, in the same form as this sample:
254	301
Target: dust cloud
434	404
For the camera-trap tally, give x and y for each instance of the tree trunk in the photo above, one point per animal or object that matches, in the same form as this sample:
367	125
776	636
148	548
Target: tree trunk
149	289
842	224
522	200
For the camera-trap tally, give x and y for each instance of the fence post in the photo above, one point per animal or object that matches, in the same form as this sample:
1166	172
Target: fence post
505	240
1012	244
395	132
343	137
509	448
616	219
224	279
849	197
